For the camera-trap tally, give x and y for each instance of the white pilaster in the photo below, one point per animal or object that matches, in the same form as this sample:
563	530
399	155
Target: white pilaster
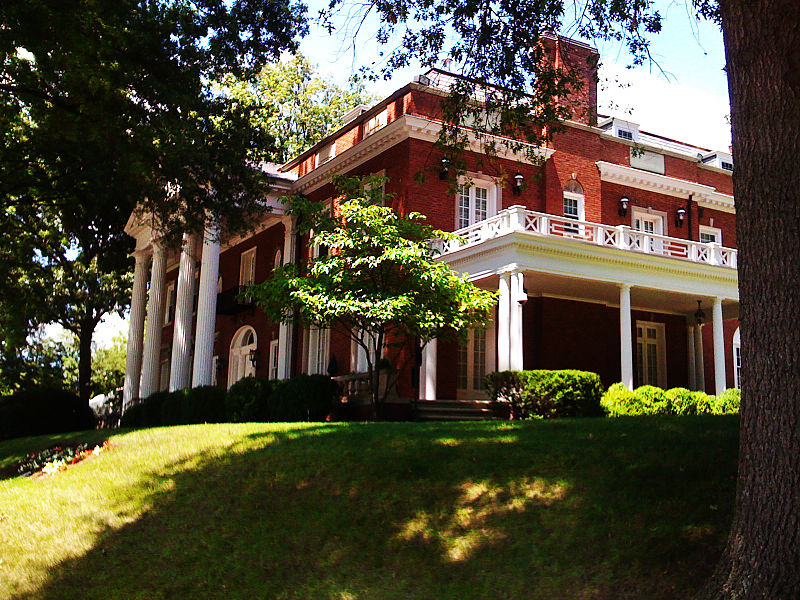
155	322
690	357
515	322
503	323
699	366
202	372
625	336
720	382
427	377
286	330
182	332
133	358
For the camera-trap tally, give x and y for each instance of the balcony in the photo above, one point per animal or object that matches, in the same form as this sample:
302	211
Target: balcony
621	237
233	301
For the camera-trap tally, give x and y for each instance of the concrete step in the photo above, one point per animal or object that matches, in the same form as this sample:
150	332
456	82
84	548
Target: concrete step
454	410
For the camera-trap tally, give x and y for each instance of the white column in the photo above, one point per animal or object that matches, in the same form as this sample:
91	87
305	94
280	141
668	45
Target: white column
625	336
690	358
503	324
720	382
182	332
286	330
133	358
155	322
515	323
699	367
202	372
427	376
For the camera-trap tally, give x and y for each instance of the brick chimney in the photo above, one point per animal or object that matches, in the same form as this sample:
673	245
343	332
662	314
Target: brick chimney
581	59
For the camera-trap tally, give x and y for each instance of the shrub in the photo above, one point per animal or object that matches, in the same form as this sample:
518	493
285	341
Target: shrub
682	401
40	411
619	400
172	405
547	394
247	400
728	402
303	398
204	404
704	403
133	416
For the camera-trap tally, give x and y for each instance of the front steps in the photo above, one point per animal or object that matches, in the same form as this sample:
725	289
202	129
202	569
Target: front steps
454	410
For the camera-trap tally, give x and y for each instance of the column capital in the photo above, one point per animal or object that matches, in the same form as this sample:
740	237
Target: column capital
141	255
625	286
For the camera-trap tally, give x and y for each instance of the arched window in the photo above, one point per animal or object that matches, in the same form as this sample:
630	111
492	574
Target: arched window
240	361
737	360
278	261
573	200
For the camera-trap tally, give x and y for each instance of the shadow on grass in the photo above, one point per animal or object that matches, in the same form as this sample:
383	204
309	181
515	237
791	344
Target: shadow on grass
591	509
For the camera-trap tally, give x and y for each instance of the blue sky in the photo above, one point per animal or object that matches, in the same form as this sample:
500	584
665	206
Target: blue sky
683	96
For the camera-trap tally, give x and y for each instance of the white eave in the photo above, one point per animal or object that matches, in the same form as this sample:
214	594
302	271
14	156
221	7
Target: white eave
704	195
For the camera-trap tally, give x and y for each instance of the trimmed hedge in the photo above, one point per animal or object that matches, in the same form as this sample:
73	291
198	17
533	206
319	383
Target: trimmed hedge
651	400
40	411
302	398
547	394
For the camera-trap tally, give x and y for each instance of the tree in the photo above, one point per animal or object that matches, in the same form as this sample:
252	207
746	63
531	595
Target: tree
106	107
511	88
290	102
108	368
379	282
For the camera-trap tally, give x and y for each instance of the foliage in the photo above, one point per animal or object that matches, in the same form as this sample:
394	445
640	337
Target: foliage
650	400
43	410
108	367
303	398
294	105
57	458
40	362
247	400
380	283
547	394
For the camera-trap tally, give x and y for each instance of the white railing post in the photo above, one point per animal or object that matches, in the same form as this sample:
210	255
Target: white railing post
714	253
517	215
621	231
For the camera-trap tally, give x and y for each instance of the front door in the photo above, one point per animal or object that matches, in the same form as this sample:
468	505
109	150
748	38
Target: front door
650	354
471	367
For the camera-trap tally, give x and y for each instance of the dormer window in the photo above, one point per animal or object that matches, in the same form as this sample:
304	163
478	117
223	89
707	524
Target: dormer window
728	166
721	160
326	153
625	134
375	123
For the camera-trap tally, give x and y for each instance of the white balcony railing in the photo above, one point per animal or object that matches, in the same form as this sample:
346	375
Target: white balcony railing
622	237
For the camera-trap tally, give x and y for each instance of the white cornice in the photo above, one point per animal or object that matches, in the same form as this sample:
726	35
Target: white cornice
418	128
704	195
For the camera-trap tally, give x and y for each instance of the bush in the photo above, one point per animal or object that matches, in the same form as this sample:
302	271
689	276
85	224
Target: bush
39	411
247	400
728	402
547	394
650	400
303	398
204	404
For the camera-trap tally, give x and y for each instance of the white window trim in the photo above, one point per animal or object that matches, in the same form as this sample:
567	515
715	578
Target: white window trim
277	261
715	231
493	195
318	350
169	314
662	352
376	122
250	280
325	154
239	355
272	372
581	199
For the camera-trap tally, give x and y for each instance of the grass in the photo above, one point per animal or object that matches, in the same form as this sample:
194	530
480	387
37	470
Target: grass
601	509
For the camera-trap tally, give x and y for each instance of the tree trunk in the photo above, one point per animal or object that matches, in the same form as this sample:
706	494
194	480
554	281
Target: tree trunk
762	43
85	359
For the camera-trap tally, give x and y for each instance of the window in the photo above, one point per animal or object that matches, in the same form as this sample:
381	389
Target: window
326	153
651	366
318	339
214	369
240	364
169	313
372	125
471	366
728	166
278	260
476	200
219	284
573	204
648	223
247	270
710	234
164	359
737	359
625	134
273	359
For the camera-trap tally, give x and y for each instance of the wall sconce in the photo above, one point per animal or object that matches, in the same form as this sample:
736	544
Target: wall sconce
253	356
518	180
699	315
623	206
444	167
680	217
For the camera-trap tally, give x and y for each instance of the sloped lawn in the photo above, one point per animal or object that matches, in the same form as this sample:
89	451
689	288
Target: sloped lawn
611	509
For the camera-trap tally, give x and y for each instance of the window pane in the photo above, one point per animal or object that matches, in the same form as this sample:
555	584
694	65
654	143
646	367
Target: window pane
479	360
481	195
571	208
463	206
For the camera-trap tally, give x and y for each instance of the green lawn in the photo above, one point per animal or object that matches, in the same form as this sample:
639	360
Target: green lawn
611	509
